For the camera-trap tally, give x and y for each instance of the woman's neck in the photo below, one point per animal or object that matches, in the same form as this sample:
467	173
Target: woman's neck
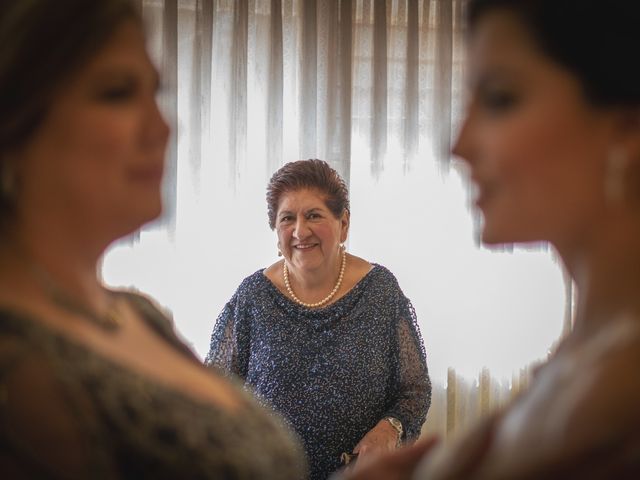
71	265
606	271
316	282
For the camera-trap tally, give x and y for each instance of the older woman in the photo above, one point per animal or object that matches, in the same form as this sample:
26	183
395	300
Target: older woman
93	382
552	140
326	338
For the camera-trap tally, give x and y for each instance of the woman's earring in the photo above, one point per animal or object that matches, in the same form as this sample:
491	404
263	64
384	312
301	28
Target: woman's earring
614	179
279	253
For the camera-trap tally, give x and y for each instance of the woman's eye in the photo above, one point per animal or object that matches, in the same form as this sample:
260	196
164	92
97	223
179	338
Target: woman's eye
314	216
499	100
285	219
119	93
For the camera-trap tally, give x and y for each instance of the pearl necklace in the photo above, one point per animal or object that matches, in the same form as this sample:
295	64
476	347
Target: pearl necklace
285	274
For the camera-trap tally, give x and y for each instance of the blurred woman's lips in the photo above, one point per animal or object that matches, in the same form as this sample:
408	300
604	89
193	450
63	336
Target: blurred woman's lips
480	200
484	193
151	174
481	190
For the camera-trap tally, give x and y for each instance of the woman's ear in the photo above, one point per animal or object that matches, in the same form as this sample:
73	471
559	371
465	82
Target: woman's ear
345	220
628	131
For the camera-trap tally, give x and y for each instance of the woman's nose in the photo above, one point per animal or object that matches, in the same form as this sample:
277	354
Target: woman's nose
158	130
463	146
460	145
301	230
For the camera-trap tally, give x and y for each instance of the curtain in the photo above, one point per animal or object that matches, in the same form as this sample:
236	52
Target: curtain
376	88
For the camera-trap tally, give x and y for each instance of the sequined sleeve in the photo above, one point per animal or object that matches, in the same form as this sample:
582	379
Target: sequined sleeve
412	390
229	348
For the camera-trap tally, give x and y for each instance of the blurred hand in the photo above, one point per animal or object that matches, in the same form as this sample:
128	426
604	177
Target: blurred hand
389	465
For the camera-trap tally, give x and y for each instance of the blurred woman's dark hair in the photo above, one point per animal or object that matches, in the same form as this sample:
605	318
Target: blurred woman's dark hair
313	174
42	44
596	40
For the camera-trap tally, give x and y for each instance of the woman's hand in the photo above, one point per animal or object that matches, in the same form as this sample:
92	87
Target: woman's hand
389	465
381	438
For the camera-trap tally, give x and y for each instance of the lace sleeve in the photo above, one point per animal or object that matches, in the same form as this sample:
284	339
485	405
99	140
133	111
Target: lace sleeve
229	347
45	423
412	392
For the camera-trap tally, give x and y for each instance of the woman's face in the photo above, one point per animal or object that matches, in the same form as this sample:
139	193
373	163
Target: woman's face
534	146
97	160
309	235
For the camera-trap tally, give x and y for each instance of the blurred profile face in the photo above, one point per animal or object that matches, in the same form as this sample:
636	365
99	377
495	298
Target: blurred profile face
534	147
97	160
309	235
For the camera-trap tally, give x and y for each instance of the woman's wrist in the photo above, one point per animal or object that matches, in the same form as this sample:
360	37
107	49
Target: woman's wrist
397	426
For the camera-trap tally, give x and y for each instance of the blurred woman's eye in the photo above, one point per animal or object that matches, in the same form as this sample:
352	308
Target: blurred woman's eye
498	100
117	93
286	218
314	216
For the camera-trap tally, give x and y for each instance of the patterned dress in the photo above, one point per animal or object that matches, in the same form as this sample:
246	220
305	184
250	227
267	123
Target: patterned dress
333	372
68	412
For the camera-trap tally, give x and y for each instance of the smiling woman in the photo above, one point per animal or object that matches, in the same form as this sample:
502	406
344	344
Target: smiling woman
530	139
326	338
307	237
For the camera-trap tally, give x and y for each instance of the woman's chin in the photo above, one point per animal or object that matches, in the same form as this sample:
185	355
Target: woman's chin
495	233
146	215
495	242
135	220
493	237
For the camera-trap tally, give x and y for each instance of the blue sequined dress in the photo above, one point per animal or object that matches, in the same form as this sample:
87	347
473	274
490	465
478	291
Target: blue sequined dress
333	372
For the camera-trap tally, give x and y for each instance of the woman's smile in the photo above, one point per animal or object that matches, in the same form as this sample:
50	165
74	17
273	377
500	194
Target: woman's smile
304	247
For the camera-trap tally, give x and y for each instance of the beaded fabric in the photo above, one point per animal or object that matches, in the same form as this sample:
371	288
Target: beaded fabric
69	412
333	372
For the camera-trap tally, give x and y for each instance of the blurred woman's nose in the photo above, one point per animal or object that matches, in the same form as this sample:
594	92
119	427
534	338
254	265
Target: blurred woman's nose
158	130
462	146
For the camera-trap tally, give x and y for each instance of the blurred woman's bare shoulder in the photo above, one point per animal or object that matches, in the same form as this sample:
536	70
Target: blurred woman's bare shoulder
581	403
584	399
608	364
